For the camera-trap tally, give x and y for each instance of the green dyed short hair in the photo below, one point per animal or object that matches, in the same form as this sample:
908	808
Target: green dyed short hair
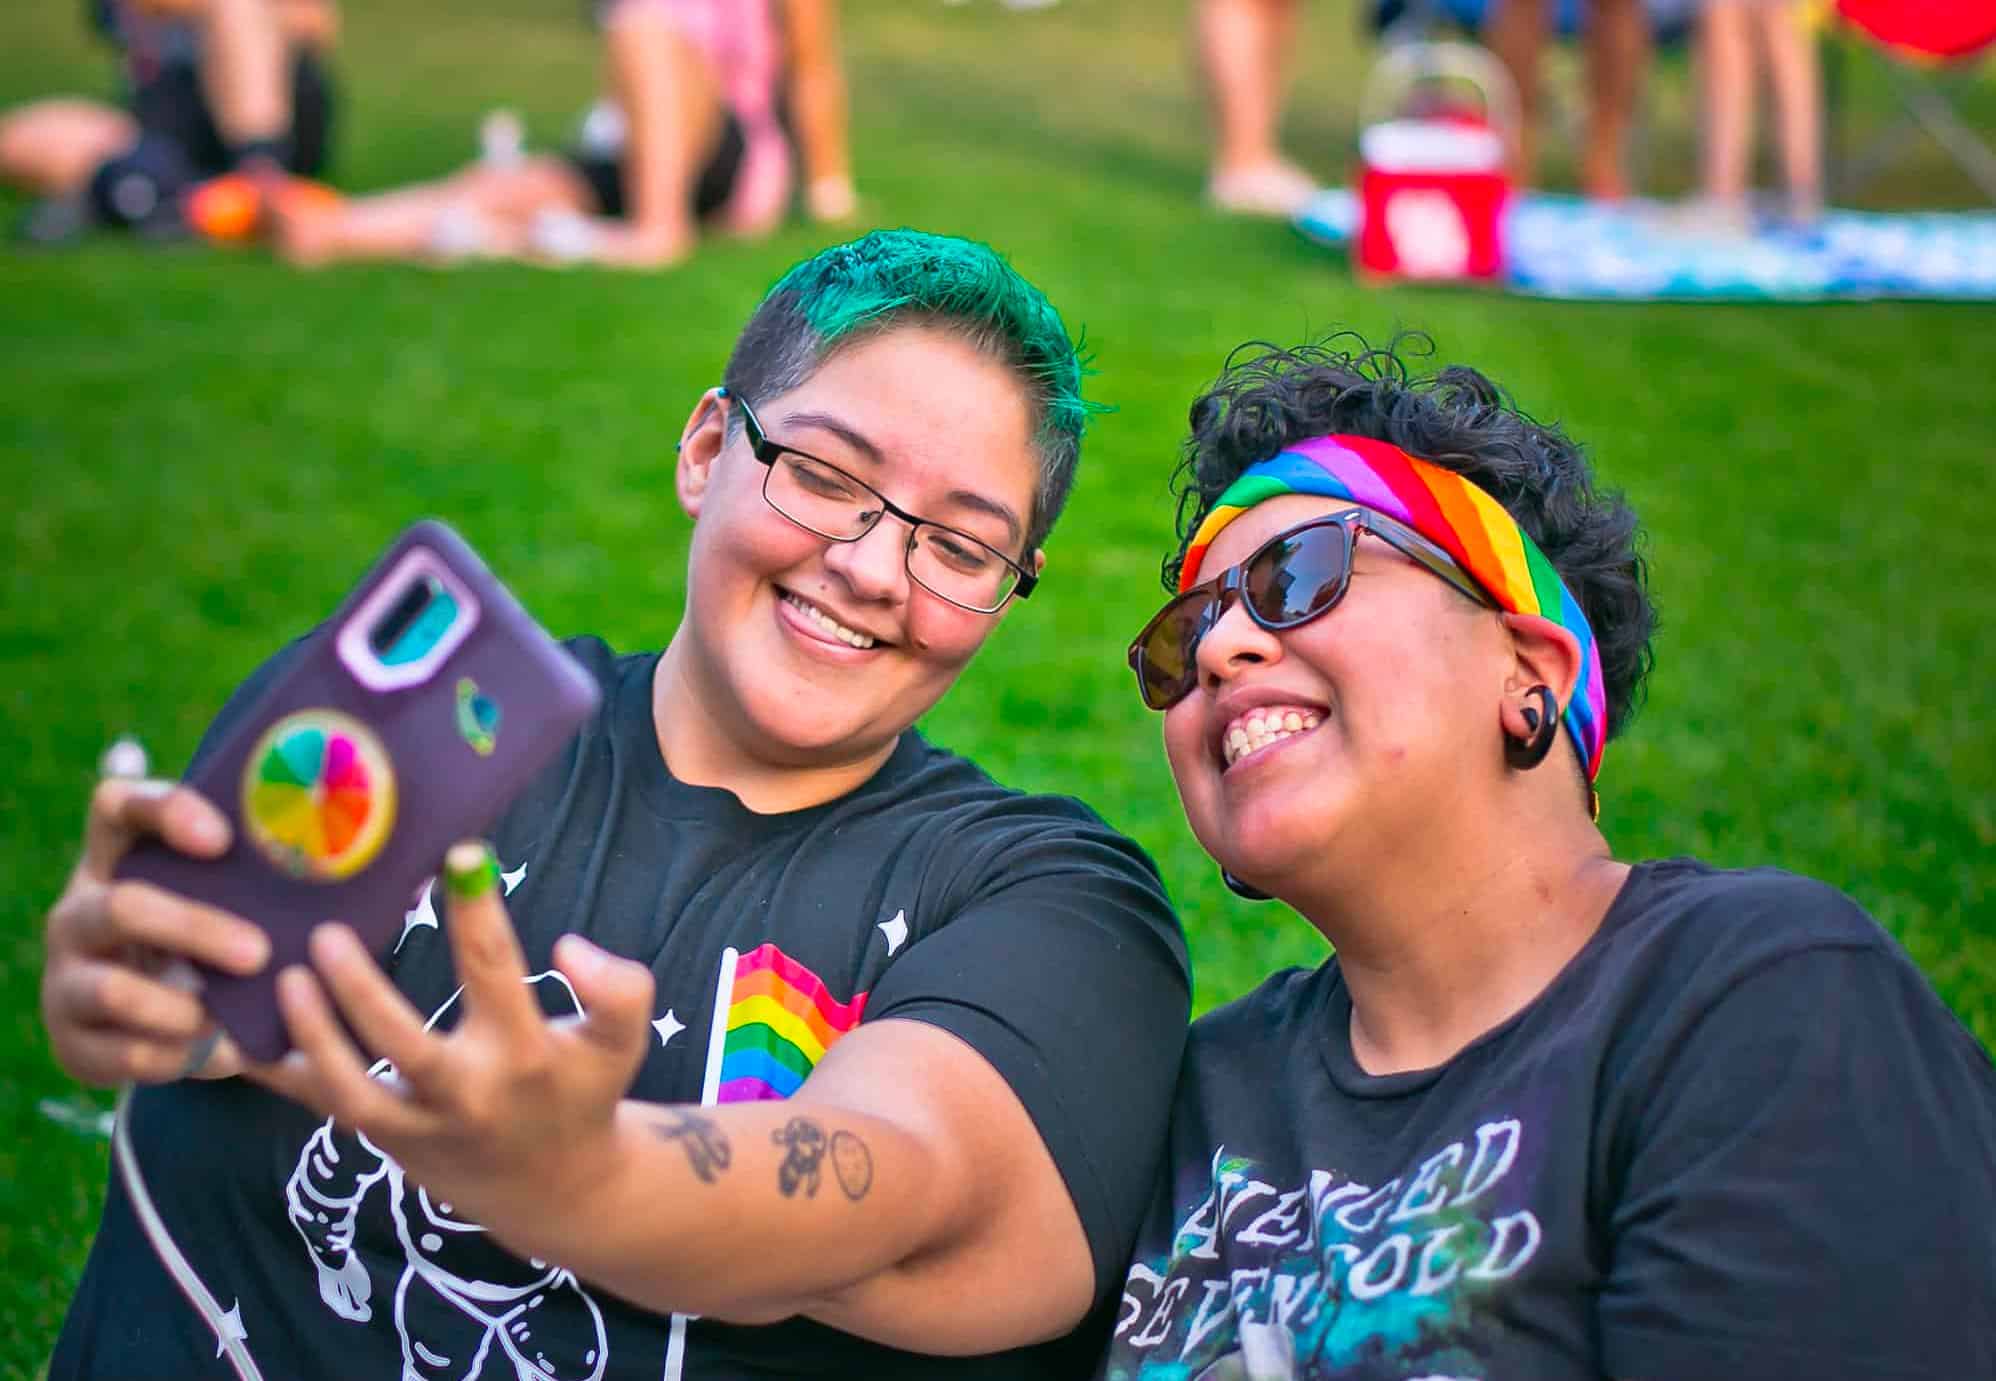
894	278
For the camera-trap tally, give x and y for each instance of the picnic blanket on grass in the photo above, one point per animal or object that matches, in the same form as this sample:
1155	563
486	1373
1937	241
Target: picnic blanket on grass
1569	247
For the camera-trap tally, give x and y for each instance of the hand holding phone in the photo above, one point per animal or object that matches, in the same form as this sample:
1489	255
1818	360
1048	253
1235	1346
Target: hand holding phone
408	721
118	991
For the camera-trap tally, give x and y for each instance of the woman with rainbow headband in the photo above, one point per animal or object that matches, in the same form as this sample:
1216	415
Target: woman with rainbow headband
1544	1114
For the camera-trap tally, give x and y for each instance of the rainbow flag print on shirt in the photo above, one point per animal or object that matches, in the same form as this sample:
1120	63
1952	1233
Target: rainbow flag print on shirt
773	1021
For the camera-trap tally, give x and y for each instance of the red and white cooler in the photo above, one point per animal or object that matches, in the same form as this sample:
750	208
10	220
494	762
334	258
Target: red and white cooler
1432	180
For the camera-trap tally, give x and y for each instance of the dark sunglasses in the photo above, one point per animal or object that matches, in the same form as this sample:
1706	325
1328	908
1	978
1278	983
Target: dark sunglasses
1292	578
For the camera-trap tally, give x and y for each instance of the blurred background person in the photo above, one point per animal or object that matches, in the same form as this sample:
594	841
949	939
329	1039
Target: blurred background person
818	107
210	85
1241	46
1617	39
1736	40
687	135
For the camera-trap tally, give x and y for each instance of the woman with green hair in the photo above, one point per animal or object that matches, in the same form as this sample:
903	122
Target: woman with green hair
806	1050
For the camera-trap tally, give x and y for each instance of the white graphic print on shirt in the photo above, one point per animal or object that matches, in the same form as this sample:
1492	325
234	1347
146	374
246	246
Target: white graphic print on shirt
1267	1282
459	1294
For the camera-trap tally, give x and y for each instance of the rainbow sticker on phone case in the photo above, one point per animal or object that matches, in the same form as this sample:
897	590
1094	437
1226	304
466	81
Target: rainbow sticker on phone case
319	795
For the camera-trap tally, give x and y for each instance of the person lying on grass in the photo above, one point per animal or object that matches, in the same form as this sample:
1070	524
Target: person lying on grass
210	86
961	1007
1544	1113
689	137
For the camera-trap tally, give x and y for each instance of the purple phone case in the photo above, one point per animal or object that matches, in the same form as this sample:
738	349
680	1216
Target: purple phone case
446	789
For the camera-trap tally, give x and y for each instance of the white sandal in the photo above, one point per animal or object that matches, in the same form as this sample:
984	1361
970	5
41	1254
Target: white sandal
1274	189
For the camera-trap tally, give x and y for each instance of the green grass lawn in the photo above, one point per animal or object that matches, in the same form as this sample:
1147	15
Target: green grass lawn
201	450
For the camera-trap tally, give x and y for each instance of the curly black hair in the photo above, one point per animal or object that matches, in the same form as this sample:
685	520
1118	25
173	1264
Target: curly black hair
1268	397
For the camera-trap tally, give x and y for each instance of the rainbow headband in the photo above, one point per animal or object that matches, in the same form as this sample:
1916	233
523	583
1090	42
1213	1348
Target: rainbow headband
1447	509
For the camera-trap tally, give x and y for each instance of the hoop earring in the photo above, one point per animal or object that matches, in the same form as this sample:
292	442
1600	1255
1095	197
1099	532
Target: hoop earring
1527	753
1243	889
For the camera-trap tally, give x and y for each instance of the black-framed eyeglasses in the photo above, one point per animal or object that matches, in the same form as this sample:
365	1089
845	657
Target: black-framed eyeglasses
821	498
1292	578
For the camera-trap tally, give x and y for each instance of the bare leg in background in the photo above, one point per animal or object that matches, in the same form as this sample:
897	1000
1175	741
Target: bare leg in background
671	106
1242	46
818	105
245	70
50	148
1796	72
1516	33
1618	50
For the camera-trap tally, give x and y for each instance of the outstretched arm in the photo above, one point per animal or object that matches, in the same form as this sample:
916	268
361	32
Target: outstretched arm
903	1178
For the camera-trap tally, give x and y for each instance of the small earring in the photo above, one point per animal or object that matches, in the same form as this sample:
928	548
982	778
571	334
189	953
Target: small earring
719	392
1243	889
1527	753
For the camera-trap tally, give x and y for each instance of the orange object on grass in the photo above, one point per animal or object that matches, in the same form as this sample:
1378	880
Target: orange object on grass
231	207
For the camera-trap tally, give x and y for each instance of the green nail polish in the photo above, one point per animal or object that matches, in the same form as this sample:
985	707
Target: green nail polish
470	871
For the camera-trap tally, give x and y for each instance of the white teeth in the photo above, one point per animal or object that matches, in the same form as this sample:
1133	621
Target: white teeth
831	625
1258	728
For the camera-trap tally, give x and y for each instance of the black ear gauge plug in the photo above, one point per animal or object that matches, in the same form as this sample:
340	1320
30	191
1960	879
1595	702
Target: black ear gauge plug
1527	753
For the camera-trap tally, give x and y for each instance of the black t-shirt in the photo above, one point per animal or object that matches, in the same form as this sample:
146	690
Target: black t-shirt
1738	1136
1021	924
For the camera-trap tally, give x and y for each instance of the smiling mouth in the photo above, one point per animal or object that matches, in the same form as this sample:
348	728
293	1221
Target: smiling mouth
1264	727
851	637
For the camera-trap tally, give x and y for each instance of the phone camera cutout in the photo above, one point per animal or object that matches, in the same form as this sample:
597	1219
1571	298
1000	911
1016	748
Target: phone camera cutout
409	625
414	624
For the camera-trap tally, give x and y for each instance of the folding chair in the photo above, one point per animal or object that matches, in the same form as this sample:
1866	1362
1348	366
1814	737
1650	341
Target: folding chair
1928	51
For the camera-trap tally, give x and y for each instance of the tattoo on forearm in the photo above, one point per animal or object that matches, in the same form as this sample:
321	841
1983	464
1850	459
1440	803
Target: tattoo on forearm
706	1145
805	1142
853	1164
803	1167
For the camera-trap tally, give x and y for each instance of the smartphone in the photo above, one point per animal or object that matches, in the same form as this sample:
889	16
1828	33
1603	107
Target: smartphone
408	721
